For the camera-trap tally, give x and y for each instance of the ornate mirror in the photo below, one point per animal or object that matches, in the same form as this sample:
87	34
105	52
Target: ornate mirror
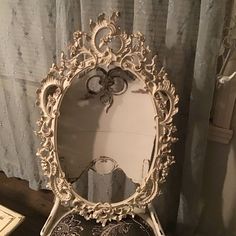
106	123
105	141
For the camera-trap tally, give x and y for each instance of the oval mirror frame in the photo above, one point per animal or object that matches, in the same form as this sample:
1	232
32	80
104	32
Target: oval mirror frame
132	56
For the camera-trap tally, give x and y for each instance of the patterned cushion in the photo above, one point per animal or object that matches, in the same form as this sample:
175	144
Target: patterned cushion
73	224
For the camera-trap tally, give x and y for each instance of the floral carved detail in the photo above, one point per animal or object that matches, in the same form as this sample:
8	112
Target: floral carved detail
90	51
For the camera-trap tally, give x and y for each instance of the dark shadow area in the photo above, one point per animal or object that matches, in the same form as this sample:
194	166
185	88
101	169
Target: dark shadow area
34	205
219	189
211	220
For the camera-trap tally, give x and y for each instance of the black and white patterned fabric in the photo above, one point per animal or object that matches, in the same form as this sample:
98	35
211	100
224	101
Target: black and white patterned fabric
73	224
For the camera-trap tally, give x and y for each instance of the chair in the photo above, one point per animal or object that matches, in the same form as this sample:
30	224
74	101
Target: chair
87	101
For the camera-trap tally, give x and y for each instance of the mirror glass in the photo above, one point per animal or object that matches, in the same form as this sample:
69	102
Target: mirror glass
105	134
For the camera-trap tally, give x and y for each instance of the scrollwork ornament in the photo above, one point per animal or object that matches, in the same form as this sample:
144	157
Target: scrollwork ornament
134	57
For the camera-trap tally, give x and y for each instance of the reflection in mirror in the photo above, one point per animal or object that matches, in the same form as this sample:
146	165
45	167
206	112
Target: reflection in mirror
105	134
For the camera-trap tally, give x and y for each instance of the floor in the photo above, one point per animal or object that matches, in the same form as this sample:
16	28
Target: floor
34	205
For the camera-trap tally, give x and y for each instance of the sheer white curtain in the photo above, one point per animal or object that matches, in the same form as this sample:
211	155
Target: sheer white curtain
186	34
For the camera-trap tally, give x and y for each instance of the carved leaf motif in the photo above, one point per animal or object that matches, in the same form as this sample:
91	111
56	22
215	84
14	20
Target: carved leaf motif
115	16
101	18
